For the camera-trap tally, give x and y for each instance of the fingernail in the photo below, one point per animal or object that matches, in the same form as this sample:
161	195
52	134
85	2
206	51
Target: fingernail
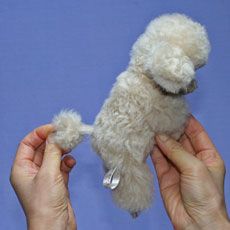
50	139
163	137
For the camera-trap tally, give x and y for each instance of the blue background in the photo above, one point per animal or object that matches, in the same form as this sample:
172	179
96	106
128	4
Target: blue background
58	54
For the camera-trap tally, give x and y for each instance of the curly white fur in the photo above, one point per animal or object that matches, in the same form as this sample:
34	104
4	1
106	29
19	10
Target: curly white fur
170	50
145	100
69	130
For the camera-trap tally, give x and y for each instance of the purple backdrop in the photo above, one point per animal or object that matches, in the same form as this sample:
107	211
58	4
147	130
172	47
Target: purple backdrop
67	54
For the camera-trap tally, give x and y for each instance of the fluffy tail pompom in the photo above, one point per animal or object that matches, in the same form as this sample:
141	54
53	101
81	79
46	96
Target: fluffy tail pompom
69	130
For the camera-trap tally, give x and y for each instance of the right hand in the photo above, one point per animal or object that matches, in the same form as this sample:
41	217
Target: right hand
191	179
40	177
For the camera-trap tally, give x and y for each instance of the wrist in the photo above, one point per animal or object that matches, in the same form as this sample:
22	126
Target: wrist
218	223
217	226
48	223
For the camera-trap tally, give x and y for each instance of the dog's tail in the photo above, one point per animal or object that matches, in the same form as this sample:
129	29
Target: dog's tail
69	129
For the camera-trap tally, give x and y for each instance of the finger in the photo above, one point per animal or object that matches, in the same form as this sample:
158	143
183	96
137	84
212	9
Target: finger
174	151
160	162
186	143
52	158
38	155
206	150
67	164
168	179
166	173
198	137
32	141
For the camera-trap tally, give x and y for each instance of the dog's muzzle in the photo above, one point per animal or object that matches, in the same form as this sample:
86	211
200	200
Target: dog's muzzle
190	88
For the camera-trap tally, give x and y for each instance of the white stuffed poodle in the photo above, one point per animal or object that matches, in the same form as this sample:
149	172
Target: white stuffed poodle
147	99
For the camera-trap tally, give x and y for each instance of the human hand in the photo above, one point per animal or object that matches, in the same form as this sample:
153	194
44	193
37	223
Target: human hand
191	179
39	177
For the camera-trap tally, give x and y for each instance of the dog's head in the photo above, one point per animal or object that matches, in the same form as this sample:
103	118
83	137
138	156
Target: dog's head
171	69
170	50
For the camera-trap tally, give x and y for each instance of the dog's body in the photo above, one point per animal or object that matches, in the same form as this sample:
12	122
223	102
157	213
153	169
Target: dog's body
124	131
147	99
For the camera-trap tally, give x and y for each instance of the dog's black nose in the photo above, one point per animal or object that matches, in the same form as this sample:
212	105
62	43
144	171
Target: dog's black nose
190	88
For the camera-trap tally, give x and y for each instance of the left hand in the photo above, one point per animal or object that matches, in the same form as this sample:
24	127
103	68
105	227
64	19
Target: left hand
39	177
191	179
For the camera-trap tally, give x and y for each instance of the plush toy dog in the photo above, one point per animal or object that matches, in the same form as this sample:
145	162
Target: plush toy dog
147	99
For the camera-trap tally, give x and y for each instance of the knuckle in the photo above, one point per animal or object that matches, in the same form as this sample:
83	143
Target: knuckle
198	168
221	166
176	147
170	142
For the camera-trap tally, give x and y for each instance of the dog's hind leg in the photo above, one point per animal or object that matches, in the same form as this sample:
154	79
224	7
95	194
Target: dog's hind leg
135	189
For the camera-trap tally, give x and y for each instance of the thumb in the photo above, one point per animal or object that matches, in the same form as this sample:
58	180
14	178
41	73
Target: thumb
52	157
175	152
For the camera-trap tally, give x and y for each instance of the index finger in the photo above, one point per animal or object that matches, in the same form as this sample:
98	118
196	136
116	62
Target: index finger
198	136
32	141
206	151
